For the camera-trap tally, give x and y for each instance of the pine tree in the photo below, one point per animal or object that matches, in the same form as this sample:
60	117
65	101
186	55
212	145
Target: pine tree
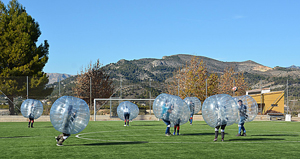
19	54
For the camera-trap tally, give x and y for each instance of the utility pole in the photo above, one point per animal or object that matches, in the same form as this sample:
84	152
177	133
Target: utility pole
287	95
120	90
178	87
110	106
121	87
150	94
90	91
261	103
206	87
27	87
59	86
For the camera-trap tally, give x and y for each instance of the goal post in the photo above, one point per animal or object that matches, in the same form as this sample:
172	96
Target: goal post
114	99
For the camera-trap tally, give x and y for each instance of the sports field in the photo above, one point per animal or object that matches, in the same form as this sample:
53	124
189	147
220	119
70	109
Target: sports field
146	139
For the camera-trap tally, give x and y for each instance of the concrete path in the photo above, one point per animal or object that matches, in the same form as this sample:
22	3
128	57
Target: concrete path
45	118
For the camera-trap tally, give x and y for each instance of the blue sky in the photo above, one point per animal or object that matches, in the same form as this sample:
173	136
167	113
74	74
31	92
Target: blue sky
267	32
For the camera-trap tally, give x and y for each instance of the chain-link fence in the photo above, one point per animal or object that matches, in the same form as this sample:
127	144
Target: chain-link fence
14	90
142	93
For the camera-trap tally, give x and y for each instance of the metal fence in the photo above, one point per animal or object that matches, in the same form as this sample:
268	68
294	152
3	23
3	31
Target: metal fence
14	90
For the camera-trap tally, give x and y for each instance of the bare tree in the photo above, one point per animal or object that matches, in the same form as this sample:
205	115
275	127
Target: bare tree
93	82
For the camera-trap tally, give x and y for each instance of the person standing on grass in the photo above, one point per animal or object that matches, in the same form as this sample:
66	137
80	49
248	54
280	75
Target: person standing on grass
68	124
177	125
222	131
167	109
126	115
243	118
31	115
221	122
192	108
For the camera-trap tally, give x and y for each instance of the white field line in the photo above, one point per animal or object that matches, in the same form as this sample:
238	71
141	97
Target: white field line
154	142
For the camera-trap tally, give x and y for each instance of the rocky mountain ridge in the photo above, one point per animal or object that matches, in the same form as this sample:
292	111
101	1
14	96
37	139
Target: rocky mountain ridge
55	77
161	69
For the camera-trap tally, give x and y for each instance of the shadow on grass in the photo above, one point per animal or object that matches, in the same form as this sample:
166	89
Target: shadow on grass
110	143
45	127
198	124
277	135
255	139
196	134
147	125
14	137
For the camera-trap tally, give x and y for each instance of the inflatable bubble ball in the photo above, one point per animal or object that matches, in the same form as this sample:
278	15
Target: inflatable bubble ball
251	105
69	114
194	104
171	108
129	107
32	108
219	110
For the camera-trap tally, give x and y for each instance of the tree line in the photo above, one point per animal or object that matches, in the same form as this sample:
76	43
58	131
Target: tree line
193	78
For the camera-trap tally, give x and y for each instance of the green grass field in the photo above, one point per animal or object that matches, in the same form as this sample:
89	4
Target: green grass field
146	139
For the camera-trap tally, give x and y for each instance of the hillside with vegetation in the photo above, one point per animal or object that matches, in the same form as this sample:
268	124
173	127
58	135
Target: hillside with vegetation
135	76
145	78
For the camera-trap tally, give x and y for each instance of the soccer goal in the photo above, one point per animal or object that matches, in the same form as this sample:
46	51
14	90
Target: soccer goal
115	99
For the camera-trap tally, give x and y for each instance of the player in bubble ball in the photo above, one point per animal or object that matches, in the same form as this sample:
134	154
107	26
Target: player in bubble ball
177	125
69	120
31	116
167	109
126	116
192	107
221	123
222	132
243	118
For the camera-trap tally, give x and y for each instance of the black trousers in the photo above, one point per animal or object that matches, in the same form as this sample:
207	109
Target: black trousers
126	116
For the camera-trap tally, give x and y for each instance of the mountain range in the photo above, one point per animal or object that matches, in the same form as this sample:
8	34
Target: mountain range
293	66
159	70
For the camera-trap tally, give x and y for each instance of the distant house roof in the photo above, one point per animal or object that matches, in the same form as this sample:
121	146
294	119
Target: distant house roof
258	91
